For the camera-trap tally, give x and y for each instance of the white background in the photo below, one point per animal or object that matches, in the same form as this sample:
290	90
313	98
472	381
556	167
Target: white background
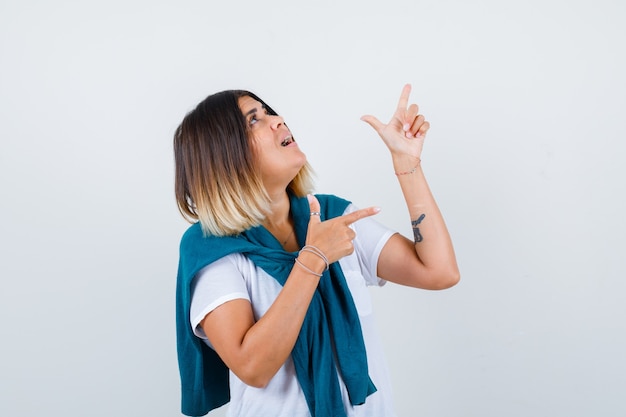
525	156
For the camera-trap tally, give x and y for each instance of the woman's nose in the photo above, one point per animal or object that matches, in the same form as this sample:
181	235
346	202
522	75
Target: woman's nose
277	121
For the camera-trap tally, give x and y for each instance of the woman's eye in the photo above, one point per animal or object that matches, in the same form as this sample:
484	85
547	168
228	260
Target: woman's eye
254	118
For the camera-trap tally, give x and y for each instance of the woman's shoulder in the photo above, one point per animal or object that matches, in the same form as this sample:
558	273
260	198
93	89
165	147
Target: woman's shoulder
330	198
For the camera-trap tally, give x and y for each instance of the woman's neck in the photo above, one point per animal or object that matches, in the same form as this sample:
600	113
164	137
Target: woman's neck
279	222
279	209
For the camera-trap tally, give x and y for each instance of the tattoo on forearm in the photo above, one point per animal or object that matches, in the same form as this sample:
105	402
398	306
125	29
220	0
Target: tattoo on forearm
417	236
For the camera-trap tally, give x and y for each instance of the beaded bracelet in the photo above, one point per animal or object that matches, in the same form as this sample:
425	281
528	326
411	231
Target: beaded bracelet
419	161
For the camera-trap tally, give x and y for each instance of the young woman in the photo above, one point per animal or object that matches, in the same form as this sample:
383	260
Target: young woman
273	312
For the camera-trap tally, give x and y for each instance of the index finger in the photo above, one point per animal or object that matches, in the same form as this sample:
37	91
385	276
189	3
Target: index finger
359	214
404	97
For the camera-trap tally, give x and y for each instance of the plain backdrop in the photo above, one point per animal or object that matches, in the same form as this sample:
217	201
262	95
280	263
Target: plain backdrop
525	157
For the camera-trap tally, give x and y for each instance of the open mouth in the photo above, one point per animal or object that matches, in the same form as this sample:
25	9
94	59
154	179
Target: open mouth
287	141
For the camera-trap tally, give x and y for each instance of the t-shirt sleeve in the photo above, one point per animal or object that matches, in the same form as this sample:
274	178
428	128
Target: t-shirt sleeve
214	285
371	237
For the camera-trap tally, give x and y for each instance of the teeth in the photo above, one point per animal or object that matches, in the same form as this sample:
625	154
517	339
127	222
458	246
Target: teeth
286	141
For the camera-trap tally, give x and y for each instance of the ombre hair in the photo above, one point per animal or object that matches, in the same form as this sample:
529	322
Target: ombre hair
217	181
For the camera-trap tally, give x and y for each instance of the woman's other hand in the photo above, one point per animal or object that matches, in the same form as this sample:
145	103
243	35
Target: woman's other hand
404	134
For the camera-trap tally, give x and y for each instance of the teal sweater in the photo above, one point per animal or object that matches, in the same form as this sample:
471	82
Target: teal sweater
331	322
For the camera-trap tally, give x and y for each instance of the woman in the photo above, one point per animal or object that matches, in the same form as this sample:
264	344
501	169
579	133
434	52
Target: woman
273	312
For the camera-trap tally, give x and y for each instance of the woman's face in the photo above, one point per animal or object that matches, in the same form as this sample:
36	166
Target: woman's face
276	152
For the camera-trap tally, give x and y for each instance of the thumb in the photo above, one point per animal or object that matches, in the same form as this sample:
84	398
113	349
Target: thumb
314	206
374	122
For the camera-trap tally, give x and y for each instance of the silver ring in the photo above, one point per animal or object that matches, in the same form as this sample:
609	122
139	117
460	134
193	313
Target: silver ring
315	213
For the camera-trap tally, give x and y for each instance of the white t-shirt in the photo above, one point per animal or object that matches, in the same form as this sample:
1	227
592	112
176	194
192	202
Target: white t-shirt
236	277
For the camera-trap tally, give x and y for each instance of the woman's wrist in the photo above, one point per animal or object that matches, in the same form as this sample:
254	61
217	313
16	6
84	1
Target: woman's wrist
311	263
405	164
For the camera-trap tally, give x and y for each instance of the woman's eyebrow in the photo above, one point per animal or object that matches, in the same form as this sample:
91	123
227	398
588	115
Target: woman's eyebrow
254	110
251	111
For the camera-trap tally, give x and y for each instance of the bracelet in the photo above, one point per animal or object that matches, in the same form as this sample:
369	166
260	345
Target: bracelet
419	161
316	251
306	268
